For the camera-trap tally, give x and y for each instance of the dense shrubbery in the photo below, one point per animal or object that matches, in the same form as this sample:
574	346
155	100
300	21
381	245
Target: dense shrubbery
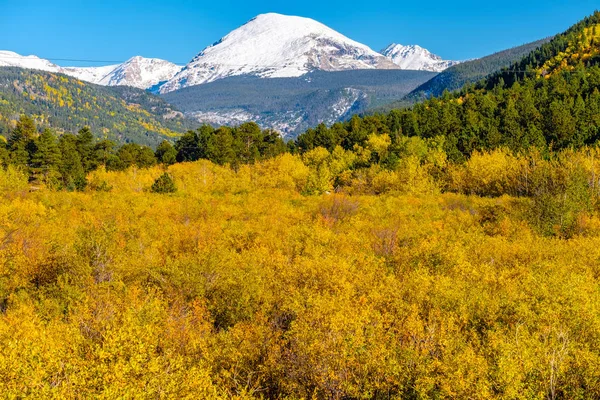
242	287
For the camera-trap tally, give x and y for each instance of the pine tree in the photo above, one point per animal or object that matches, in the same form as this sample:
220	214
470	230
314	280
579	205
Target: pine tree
166	153
46	160
104	151
71	169
20	143
187	147
164	184
220	147
85	147
23	132
145	157
248	138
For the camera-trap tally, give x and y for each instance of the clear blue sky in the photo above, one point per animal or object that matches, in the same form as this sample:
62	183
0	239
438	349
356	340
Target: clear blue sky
177	30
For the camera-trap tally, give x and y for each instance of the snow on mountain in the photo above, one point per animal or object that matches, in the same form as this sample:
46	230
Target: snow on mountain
139	72
89	74
12	59
416	58
274	45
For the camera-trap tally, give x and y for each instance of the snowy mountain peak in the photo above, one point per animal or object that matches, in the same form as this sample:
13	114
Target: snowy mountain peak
274	45
12	59
416	58
139	72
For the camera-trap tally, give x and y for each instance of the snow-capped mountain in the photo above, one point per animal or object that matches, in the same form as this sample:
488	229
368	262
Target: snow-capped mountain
89	74
12	59
139	72
416	58
276	46
268	46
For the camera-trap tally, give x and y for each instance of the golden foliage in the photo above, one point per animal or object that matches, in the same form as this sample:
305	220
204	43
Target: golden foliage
239	286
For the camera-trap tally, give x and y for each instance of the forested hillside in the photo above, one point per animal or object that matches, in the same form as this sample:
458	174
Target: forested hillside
292	105
67	104
549	101
455	77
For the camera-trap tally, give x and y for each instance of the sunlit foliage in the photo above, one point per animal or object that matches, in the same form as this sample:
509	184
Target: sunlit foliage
240	285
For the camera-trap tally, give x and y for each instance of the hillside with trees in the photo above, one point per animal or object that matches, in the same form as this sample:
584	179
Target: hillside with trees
550	101
469	72
66	104
292	105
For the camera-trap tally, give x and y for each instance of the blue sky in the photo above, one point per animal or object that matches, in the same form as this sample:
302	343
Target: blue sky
177	30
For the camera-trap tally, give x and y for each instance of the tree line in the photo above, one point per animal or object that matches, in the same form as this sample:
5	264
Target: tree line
64	162
556	106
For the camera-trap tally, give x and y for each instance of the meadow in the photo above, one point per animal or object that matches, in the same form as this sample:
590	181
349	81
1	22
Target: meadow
295	278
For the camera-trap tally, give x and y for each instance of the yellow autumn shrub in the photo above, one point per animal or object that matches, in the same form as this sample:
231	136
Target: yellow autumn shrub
256	283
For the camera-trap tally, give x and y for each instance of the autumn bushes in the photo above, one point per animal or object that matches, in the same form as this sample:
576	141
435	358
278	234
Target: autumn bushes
242	285
13	181
561	187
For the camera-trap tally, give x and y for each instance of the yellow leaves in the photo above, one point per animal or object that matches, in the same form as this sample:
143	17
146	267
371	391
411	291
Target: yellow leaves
581	49
490	173
240	286
379	144
315	157
13	181
285	172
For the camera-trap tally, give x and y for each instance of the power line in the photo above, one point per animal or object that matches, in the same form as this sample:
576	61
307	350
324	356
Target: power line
121	62
505	70
73	60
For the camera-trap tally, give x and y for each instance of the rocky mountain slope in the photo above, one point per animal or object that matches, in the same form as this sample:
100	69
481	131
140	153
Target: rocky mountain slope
291	105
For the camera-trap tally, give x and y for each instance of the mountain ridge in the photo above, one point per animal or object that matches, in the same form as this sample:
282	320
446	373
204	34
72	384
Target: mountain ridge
269	46
414	57
67	104
468	72
138	72
291	105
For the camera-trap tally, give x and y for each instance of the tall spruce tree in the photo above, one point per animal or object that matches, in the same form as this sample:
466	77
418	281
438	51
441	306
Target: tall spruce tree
72	171
166	153
20	143
47	158
85	147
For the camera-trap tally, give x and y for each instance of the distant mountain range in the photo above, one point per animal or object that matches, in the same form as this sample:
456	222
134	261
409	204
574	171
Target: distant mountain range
277	46
268	46
315	75
138	72
457	76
